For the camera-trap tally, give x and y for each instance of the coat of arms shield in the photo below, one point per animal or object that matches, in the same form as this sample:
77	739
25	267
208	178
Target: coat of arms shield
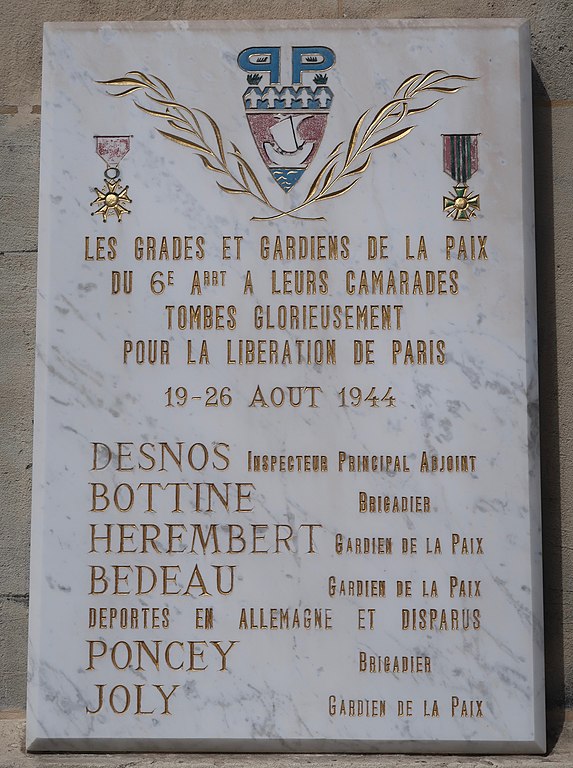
287	122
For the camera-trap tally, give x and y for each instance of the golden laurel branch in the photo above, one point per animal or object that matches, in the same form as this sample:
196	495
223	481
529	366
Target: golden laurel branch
196	130
344	166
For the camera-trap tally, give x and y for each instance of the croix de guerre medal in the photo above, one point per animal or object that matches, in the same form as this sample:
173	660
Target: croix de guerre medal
461	162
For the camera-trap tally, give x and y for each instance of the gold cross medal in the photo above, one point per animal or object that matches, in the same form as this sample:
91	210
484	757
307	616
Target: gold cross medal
112	199
461	162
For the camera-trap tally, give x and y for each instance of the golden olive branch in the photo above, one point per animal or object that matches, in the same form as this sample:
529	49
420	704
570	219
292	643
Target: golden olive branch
362	140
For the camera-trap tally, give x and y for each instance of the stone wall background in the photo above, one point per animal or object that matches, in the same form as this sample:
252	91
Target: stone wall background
21	21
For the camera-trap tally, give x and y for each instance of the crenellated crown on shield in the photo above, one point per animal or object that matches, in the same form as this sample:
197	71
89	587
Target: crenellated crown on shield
287	122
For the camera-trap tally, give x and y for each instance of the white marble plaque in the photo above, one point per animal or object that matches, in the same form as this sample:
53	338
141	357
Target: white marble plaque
286	485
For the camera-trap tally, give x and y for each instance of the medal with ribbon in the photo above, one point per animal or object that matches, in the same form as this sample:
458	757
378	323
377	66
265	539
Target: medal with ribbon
112	150
461	162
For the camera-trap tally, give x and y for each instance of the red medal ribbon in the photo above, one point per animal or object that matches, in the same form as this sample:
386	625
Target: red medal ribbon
112	149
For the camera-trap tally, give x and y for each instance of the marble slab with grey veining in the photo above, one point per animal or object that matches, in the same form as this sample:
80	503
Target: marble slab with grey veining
210	571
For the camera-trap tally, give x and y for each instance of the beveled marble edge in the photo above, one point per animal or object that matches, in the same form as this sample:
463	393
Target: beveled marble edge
41	379
300	746
530	292
237	24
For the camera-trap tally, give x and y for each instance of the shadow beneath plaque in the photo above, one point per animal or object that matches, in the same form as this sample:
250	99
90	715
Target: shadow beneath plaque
548	412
